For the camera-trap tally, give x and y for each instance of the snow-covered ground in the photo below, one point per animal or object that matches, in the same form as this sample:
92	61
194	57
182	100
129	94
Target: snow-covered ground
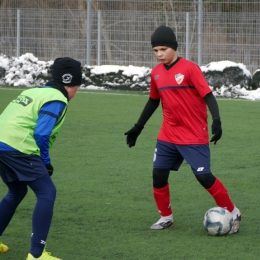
25	71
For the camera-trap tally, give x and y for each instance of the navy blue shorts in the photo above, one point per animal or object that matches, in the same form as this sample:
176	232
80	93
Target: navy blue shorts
171	156
22	167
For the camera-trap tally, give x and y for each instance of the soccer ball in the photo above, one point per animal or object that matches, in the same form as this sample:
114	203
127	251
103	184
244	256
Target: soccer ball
218	221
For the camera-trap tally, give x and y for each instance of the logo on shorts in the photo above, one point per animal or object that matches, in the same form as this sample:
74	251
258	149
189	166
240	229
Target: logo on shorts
154	156
179	78
200	169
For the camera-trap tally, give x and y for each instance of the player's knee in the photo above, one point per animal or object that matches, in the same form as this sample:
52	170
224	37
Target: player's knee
206	180
22	192
17	195
49	193
160	178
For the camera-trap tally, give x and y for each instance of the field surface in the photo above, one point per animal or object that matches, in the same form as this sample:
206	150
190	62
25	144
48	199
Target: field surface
105	205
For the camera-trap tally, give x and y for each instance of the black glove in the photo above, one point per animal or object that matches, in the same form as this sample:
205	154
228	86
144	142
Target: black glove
50	169
132	135
216	130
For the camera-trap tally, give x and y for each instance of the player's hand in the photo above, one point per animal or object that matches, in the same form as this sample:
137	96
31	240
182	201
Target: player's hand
50	169
132	135
216	130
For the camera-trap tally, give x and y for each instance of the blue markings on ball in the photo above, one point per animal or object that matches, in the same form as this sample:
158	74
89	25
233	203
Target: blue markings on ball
218	221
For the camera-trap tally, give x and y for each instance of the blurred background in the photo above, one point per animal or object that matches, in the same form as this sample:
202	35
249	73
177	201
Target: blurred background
118	32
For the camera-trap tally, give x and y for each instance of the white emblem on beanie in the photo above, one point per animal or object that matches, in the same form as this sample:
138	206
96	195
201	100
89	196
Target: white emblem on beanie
67	78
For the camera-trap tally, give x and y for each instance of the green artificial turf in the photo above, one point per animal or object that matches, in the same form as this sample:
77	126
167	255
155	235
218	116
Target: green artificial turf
105	204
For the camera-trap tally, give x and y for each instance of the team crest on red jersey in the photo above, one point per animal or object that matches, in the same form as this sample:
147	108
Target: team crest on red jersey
179	78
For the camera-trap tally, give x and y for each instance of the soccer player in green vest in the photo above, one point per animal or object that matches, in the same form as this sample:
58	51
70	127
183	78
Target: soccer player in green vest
28	127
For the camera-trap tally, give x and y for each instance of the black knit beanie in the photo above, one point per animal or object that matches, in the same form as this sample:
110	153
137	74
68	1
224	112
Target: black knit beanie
67	71
164	36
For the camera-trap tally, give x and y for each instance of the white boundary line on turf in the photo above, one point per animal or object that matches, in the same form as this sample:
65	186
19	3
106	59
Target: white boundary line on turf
80	91
114	94
10	88
117	94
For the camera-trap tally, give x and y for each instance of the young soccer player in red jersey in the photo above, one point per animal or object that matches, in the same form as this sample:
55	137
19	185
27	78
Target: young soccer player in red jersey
184	95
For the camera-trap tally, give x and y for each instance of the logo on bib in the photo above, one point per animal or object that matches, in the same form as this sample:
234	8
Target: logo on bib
23	100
